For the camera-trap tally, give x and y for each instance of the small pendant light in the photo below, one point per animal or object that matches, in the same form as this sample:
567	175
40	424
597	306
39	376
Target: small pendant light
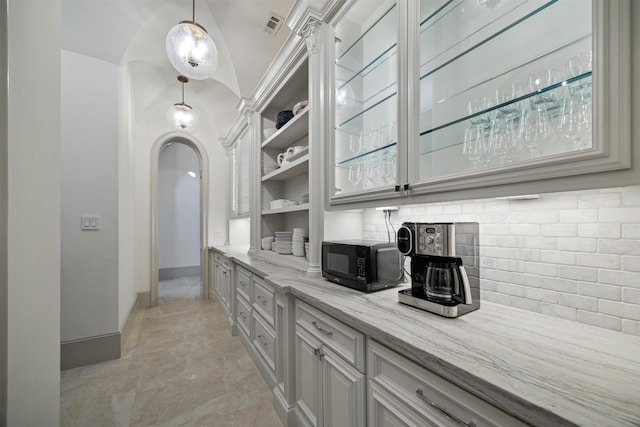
181	116
191	50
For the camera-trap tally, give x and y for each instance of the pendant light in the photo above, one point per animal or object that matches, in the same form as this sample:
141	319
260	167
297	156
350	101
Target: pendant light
191	50
181	116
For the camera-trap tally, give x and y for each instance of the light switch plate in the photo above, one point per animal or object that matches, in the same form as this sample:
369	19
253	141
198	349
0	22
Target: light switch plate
89	222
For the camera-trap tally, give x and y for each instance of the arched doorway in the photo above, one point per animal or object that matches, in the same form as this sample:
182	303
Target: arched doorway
193	143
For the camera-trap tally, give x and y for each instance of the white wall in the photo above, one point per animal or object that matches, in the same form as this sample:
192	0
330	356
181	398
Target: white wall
89	183
239	231
33	342
178	207
3	212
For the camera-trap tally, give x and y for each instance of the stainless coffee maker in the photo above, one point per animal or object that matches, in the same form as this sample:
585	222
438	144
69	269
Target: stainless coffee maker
445	271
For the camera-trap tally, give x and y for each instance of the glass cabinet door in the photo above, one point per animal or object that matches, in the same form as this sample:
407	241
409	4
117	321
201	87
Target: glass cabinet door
366	100
240	156
503	84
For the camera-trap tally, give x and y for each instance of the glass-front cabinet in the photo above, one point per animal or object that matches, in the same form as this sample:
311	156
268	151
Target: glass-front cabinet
240	156
447	95
511	85
366	100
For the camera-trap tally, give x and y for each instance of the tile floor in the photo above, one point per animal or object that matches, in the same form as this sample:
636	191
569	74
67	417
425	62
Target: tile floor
180	367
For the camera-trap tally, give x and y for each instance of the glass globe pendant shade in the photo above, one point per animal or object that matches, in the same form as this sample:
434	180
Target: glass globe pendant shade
191	50
182	117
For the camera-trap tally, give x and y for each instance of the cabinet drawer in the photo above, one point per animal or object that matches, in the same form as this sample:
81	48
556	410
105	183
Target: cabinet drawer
243	282
344	340
263	299
265	340
243	315
221	259
433	398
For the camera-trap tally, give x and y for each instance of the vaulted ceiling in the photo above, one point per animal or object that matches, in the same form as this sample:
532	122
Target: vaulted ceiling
133	32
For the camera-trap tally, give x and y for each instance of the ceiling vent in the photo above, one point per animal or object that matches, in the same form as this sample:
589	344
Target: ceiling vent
273	23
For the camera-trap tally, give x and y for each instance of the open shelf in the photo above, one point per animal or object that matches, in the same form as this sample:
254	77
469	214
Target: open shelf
298	167
290	133
295	208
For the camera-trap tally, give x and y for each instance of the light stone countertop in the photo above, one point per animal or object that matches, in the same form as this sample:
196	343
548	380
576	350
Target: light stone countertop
544	370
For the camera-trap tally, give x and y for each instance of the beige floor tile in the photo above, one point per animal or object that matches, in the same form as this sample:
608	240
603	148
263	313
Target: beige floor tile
180	367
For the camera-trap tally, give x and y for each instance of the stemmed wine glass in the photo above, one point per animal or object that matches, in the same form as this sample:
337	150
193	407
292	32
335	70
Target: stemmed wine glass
503	134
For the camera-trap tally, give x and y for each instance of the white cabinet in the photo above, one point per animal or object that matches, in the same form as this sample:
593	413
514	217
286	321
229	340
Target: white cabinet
330	389
222	281
255	308
520	91
402	393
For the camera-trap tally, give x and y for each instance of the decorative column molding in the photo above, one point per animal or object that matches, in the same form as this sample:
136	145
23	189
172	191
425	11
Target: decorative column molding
310	34
254	127
316	35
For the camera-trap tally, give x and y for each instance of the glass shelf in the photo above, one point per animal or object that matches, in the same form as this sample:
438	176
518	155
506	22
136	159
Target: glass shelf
384	150
359	51
355	121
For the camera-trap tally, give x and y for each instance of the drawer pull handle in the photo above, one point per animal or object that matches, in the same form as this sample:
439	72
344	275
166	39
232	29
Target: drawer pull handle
262	299
324	331
243	315
243	283
262	340
421	395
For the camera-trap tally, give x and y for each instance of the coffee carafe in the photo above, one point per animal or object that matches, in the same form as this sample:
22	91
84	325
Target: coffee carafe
445	275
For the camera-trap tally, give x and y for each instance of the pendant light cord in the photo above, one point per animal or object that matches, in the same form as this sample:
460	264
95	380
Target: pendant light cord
194	11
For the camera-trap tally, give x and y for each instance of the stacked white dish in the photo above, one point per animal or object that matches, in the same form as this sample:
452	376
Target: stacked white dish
299	237
283	242
267	243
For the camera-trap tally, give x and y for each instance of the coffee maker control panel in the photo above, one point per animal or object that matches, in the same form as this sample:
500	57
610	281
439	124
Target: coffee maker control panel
431	238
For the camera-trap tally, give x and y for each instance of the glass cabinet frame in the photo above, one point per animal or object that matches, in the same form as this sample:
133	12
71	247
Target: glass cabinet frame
611	121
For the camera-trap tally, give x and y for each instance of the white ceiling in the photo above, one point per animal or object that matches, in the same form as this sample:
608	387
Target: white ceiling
132	33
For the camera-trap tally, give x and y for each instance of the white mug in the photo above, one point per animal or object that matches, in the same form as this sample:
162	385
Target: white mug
281	157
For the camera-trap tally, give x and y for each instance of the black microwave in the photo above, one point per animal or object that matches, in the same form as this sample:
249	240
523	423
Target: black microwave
365	265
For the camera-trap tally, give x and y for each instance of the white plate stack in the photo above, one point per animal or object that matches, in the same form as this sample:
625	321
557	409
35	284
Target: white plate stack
300	235
267	243
283	242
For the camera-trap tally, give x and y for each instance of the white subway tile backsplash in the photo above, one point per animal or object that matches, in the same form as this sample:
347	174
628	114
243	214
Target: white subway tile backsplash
604	231
631	327
558	257
530	280
607	200
584	274
577	245
541	217
619	309
560	285
631	263
542	295
542	269
526	229
631	295
620	215
495	297
577	216
525	303
619	246
560	311
631	198
510	289
560	230
578	301
600	320
620	278
494	229
600	291
572	255
599	260
631	231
